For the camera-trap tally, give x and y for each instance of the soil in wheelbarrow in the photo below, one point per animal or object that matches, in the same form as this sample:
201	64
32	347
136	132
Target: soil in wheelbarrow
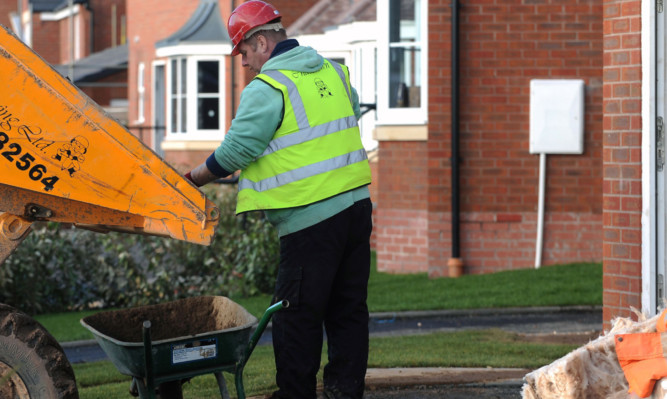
182	318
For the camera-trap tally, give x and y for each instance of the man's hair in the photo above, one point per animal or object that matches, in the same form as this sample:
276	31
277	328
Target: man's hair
275	36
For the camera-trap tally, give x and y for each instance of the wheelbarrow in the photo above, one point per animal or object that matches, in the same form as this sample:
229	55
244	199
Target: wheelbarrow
162	345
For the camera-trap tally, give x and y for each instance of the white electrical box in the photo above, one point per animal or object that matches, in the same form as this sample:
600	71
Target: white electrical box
556	116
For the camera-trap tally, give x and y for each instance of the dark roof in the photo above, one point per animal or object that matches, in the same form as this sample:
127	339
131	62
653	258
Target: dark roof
52	5
97	65
204	26
328	13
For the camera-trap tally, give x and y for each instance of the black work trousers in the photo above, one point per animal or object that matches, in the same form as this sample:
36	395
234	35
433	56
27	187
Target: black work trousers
323	273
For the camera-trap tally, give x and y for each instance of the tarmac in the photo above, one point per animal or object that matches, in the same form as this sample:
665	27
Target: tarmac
574	325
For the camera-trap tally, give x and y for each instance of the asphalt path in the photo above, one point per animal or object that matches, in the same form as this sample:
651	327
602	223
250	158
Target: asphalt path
545	320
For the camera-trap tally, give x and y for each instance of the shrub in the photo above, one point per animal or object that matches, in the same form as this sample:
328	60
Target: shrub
58	268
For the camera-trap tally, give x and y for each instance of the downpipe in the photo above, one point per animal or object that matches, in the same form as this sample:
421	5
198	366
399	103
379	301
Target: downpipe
455	263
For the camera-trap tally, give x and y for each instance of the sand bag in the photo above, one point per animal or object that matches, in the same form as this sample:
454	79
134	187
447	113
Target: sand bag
591	371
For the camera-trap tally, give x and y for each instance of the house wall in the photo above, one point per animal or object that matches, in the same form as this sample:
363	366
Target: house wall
44	35
104	19
622	159
104	95
503	45
401	216
6	8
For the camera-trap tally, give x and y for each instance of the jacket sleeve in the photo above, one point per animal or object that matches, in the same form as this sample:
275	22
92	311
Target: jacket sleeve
259	114
355	104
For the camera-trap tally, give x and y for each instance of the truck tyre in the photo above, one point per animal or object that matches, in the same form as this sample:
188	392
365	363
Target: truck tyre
32	363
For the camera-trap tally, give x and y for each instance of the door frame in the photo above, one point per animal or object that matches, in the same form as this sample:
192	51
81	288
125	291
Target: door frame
653	218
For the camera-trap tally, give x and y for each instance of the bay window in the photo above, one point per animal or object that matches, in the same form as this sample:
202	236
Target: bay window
402	66
196	102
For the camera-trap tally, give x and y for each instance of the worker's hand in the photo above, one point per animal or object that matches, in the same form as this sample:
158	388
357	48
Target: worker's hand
200	175
189	177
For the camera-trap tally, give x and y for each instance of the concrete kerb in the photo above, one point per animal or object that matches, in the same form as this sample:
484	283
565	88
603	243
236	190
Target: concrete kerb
384	378
483	312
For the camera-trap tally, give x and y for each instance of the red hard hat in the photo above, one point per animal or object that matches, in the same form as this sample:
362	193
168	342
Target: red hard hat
247	16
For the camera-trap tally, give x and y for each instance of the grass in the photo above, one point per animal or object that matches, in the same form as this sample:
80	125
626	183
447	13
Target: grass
491	348
564	285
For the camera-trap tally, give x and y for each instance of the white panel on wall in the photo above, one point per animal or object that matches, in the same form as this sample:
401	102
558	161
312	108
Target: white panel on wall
556	116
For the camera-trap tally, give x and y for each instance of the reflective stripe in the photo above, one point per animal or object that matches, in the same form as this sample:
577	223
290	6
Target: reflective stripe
309	134
294	97
339	69
304	172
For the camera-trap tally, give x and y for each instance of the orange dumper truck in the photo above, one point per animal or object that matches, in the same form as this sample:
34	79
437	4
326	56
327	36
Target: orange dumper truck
63	159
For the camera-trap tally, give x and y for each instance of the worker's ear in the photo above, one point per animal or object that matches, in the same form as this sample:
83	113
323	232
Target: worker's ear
262	44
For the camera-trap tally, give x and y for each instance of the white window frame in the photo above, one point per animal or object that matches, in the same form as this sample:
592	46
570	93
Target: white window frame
192	133
401	116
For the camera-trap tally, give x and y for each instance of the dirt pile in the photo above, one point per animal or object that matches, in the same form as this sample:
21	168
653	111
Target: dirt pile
182	318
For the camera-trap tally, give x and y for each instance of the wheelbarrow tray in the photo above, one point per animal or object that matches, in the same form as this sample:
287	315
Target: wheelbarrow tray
189	336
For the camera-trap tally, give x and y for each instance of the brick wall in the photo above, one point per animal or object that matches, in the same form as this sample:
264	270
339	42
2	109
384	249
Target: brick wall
6	8
401	216
45	34
622	158
104	95
103	19
503	46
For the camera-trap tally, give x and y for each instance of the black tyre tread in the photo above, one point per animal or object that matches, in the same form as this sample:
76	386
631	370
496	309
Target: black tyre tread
24	328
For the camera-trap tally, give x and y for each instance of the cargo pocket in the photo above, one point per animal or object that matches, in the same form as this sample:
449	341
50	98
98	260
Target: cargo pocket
288	285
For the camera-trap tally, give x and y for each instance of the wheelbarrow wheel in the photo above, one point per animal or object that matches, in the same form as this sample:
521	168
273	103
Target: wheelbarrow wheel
32	363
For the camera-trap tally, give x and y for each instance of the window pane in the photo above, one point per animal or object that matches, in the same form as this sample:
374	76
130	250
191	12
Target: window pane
174	115
184	75
403	21
174	77
184	115
404	77
207	114
207	77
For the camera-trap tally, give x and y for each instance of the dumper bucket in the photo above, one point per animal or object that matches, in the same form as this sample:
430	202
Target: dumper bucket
62	158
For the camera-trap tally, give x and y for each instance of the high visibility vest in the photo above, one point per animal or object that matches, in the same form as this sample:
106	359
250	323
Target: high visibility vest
316	153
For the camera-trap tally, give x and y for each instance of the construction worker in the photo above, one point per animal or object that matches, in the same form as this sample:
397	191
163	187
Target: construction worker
296	141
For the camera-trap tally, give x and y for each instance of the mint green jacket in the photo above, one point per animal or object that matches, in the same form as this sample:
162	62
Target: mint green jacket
259	114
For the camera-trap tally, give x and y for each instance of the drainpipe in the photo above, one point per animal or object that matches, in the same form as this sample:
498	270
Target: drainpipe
455	263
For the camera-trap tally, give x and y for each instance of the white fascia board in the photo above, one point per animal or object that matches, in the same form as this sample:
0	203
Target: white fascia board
194	49
342	37
58	15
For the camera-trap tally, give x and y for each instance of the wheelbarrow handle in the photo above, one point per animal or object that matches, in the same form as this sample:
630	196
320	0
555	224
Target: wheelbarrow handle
261	326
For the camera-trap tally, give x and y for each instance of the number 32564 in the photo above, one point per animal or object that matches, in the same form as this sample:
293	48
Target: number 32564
24	161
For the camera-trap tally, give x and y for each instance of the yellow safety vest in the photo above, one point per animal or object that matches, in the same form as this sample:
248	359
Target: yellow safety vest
316	152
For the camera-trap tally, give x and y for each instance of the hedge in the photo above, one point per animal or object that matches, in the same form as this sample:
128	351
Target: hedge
59	268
